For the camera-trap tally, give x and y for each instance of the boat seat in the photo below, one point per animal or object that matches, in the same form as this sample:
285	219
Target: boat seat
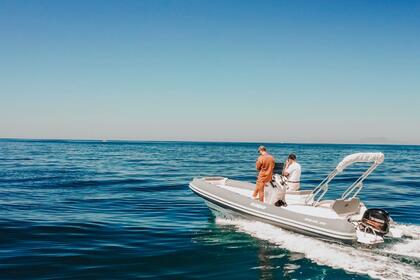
346	207
325	203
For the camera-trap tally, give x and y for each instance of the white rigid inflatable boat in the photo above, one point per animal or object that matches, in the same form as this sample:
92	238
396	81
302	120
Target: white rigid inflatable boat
345	219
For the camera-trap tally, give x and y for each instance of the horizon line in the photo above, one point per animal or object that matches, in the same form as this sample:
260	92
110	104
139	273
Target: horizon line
197	141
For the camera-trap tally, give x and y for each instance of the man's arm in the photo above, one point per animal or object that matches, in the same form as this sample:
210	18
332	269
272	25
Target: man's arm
290	169
286	166
258	164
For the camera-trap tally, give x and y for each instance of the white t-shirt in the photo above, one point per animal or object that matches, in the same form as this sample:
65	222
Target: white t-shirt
294	171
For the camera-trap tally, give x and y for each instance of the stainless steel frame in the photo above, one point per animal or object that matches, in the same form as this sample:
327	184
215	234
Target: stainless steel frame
352	191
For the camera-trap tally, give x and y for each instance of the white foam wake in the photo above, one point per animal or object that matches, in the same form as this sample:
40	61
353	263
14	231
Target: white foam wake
411	231
376	263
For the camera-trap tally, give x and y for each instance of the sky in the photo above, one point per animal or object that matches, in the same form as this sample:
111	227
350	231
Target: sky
196	70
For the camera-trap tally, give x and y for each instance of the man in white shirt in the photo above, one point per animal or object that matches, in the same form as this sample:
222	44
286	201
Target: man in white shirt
292	172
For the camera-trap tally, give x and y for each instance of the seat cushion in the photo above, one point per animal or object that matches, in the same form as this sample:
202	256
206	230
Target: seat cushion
345	207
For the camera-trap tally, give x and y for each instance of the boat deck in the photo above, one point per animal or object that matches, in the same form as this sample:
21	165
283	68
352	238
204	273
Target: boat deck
295	203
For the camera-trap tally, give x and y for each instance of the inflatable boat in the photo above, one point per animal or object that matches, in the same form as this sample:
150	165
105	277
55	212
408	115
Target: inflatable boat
345	219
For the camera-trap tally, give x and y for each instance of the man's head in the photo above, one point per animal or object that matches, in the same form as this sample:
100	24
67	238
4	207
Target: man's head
262	150
292	157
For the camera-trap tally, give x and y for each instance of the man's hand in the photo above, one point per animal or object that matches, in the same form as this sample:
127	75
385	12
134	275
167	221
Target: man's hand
286	165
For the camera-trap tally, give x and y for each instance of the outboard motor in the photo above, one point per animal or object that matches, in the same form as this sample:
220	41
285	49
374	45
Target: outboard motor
376	220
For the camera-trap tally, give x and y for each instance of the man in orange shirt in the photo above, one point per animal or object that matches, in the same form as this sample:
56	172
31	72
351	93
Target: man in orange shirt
265	165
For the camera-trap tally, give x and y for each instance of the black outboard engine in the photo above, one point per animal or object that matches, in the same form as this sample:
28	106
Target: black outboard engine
376	220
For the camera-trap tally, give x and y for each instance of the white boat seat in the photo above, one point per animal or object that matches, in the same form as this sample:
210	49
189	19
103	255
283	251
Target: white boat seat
325	203
346	207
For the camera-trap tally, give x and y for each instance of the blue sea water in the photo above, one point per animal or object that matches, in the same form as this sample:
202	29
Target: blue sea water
123	210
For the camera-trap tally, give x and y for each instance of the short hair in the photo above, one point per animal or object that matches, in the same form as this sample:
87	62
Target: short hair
262	148
292	157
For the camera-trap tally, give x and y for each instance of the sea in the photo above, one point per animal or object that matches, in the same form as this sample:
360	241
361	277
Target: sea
123	210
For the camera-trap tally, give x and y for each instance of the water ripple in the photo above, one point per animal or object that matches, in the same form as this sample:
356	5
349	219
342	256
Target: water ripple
83	210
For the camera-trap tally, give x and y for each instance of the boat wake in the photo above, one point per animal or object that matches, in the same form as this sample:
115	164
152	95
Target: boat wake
396	260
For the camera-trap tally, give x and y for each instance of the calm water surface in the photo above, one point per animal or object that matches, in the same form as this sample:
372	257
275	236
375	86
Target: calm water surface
122	210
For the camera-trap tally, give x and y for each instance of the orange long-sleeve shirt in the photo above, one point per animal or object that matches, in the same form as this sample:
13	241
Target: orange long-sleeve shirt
265	165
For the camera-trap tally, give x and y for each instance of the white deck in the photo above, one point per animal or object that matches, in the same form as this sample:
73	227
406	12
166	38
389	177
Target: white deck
244	192
294	204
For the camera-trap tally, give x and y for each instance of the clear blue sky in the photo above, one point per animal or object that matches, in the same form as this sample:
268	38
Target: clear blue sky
282	71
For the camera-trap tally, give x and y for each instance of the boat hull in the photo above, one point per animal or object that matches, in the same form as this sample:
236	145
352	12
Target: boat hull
225	203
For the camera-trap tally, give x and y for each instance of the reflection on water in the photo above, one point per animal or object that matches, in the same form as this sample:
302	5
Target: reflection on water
269	265
265	266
